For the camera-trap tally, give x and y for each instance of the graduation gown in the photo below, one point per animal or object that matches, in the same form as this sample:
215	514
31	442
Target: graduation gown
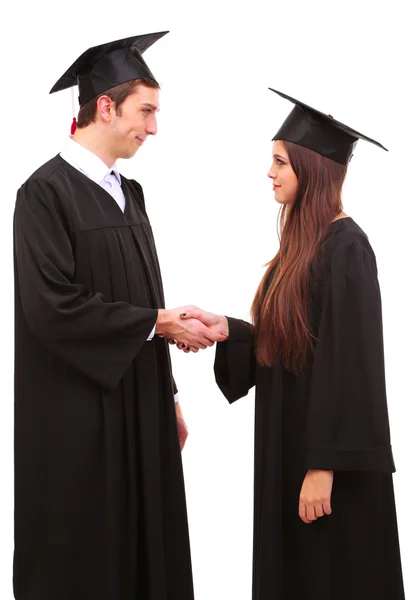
332	416
100	510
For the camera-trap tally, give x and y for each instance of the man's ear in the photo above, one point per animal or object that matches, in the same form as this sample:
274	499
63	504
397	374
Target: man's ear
105	108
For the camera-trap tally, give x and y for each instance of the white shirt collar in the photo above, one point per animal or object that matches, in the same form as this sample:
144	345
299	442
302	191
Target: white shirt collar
86	161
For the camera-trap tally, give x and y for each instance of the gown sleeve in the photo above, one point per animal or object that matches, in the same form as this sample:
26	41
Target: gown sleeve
347	422
101	339
175	388
235	363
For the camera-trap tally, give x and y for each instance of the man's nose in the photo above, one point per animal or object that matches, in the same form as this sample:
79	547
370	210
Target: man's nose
152	126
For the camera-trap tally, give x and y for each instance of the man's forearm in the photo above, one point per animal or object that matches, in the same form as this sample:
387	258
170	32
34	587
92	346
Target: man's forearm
166	323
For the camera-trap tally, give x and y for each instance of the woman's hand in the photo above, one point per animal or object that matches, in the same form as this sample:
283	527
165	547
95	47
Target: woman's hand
182	346
217	324
315	495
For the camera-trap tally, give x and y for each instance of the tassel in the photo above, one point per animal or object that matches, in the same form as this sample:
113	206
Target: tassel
73	126
74	122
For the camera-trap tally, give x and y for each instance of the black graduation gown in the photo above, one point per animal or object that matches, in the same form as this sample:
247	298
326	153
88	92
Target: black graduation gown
333	415
100	510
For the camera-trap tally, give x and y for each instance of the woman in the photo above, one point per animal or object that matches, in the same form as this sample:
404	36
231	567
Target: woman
325	522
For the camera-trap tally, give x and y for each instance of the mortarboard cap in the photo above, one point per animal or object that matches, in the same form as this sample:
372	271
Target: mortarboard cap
319	132
102	67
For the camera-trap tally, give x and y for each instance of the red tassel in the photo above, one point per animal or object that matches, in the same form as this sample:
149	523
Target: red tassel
73	126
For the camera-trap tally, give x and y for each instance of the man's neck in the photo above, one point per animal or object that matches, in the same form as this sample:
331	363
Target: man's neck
92	139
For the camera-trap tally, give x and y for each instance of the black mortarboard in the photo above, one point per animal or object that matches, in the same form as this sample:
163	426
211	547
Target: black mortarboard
319	132
103	67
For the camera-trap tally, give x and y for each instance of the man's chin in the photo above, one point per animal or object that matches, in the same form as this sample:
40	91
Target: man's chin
129	153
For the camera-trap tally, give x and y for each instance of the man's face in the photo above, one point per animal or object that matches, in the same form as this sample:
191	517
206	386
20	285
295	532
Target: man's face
135	122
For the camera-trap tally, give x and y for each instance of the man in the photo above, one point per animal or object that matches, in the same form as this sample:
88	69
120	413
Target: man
99	495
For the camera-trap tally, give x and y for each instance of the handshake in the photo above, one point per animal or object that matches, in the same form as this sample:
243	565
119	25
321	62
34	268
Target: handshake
191	328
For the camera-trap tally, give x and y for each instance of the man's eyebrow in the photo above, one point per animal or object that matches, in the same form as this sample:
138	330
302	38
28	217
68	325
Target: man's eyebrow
152	106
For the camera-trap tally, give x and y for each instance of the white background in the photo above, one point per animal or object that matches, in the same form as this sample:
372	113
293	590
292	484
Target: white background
212	207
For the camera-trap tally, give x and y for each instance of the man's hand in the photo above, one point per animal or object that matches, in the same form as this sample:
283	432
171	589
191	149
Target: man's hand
181	426
214	322
182	325
315	495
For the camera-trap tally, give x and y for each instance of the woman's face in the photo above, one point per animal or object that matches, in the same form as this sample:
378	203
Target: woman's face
285	182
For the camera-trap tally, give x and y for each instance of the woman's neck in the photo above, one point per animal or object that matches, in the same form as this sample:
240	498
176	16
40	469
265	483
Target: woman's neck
341	215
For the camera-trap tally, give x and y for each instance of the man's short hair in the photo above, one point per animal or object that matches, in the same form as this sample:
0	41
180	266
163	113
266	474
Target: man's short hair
118	94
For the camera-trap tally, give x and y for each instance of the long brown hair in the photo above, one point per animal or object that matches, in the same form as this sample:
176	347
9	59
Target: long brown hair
281	307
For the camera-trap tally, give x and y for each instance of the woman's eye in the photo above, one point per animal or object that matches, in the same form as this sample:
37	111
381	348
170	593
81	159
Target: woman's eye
279	161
